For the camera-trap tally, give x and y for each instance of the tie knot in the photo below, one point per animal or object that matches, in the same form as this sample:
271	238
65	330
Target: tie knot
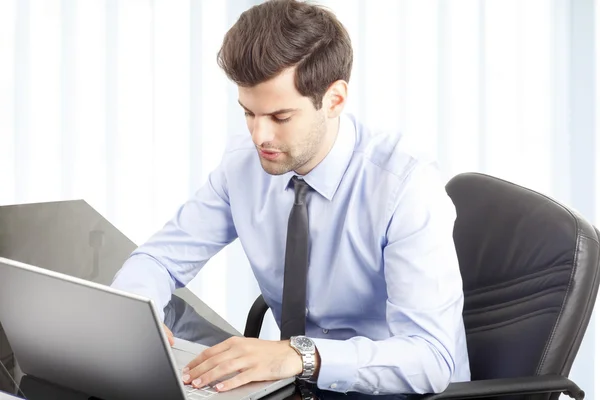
300	188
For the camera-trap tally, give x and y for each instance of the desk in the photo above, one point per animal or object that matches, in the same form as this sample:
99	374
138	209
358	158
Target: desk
185	323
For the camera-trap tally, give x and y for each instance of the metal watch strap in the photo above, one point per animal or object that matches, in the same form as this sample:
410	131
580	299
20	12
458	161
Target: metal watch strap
308	365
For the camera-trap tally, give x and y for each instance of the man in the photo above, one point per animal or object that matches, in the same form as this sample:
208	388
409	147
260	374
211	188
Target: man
370	221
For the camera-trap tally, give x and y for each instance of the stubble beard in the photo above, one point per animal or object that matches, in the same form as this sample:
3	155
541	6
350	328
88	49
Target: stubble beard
309	148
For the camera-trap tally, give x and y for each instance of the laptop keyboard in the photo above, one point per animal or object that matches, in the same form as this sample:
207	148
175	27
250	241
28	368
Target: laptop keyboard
183	354
197	394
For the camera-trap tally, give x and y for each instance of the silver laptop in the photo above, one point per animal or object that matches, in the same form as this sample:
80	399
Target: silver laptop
98	340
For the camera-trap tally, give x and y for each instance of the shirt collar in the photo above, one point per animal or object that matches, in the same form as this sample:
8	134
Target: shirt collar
325	178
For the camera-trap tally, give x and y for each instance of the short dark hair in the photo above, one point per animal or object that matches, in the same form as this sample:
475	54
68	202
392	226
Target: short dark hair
280	34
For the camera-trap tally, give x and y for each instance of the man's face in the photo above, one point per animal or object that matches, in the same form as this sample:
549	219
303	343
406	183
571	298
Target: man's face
287	130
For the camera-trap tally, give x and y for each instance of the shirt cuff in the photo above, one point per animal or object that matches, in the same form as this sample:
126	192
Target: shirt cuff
338	368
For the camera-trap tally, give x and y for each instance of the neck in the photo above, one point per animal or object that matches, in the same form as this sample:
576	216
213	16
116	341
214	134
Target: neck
333	126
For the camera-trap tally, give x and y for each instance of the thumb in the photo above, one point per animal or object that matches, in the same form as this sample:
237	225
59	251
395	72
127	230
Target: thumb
169	335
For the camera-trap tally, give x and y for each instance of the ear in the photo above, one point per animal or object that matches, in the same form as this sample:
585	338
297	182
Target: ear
335	99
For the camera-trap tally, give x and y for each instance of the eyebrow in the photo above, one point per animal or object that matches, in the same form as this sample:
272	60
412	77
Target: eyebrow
282	111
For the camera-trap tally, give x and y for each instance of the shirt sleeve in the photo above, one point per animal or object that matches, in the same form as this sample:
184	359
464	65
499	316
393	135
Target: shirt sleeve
174	255
424	305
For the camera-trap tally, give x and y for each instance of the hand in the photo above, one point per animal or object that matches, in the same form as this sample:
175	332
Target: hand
254	359
169	335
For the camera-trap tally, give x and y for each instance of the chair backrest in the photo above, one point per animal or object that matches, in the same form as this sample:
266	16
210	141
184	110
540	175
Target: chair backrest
530	270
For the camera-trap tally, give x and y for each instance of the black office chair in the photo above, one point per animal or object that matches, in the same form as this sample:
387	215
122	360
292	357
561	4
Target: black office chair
530	274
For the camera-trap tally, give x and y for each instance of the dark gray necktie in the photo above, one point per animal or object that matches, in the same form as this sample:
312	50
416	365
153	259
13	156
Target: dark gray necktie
293	314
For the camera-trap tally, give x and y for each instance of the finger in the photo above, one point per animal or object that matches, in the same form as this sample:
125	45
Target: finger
209	353
169	335
210	364
222	370
236	381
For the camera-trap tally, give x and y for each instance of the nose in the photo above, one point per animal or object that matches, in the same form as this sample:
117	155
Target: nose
261	131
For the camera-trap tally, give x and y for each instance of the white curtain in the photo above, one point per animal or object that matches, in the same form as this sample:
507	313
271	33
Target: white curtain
121	103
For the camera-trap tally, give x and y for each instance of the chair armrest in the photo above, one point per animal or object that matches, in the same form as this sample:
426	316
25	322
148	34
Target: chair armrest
256	316
512	386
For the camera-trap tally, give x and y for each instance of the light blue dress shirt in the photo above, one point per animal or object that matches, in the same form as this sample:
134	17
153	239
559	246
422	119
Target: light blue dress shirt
384	293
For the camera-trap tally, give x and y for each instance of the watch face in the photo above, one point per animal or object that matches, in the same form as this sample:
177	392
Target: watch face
303	343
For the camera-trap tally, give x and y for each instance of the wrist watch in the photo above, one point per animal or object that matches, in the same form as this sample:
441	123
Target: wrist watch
306	348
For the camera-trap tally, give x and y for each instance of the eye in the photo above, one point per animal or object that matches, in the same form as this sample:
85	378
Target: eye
281	120
247	114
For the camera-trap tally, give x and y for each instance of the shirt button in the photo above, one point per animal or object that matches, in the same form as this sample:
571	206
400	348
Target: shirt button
333	385
325	331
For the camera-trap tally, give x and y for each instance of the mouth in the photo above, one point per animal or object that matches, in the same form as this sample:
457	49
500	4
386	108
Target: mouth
269	155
